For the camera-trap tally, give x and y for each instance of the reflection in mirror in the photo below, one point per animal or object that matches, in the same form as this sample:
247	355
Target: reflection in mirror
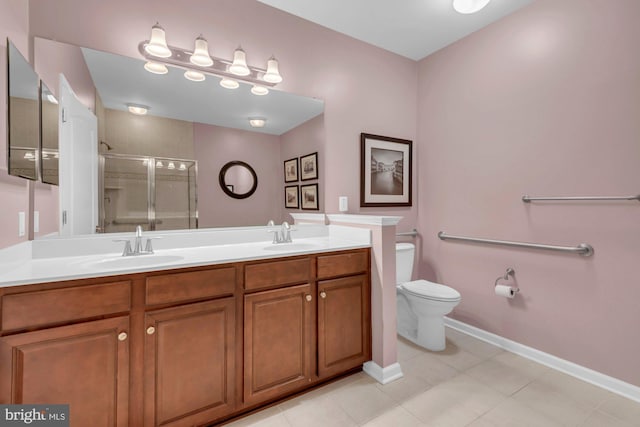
23	119
49	138
238	180
155	193
187	120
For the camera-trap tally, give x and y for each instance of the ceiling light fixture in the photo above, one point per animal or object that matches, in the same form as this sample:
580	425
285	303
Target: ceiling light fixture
157	46
469	6
259	90
257	122
199	62
229	84
200	55
156	67
137	109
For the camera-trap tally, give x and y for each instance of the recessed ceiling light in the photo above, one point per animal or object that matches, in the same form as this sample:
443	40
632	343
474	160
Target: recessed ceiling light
257	122
469	6
138	109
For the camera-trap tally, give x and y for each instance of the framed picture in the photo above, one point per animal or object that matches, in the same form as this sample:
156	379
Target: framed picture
291	199
291	170
309	197
385	171
309	167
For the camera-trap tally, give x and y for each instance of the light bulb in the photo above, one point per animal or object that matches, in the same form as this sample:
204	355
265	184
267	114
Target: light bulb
155	67
272	75
259	90
229	83
157	46
200	55
469	6
239	65
194	76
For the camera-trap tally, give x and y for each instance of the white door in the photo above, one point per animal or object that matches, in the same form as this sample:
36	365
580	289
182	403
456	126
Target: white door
78	136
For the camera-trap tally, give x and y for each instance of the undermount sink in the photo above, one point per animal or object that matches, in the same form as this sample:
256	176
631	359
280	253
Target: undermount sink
289	247
135	261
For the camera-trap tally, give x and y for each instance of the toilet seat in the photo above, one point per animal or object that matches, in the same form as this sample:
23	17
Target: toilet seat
432	291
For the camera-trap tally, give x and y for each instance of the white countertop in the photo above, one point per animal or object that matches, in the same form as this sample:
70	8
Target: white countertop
58	260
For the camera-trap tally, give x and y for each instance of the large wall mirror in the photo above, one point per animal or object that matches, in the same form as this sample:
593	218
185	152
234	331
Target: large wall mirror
23	116
199	121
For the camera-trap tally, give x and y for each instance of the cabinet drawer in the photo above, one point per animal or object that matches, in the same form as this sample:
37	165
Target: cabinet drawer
179	287
55	306
263	275
342	264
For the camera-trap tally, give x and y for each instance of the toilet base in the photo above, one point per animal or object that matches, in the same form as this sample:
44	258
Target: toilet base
430	334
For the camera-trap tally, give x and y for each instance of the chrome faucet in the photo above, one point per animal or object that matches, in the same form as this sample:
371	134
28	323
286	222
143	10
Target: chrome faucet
280	236
137	246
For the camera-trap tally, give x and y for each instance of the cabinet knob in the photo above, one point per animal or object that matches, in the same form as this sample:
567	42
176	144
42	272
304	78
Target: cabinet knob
308	297
323	294
122	336
151	330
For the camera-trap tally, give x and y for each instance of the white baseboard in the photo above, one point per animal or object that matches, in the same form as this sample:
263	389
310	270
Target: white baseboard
614	385
383	375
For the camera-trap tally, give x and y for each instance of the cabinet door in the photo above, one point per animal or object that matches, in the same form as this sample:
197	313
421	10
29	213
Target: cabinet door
344	325
84	365
189	363
277	342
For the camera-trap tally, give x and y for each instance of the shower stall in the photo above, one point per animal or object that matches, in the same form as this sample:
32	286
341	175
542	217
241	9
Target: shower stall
157	193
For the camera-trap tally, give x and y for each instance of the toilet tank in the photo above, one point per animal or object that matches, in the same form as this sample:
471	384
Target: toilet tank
404	261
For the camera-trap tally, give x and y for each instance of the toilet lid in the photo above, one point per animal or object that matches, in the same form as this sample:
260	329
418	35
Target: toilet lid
430	290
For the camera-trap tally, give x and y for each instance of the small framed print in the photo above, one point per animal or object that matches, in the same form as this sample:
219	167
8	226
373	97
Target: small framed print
385	171
309	197
291	170
309	167
291	200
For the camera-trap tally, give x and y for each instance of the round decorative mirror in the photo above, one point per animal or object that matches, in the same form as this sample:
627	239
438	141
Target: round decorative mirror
238	179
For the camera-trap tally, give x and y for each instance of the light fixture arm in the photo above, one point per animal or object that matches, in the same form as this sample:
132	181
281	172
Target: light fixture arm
180	58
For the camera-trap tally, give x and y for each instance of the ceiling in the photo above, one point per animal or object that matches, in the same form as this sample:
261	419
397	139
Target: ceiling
411	28
121	80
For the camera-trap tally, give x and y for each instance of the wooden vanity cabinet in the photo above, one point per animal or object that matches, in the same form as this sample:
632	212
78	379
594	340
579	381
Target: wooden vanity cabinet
69	344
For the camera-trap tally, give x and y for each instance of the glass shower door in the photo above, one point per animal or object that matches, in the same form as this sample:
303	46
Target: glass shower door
125	199
175	194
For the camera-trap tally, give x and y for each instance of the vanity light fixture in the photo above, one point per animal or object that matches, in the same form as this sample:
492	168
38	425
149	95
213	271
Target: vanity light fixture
194	76
159	165
29	156
200	55
198	63
182	167
239	65
257	122
259	90
229	83
137	109
272	75
157	45
469	6
156	67
171	165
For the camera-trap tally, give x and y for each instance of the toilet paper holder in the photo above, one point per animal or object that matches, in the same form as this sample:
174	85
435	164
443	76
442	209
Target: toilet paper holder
509	273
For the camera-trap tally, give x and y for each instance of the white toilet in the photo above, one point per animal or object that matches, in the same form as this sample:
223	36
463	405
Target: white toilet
422	305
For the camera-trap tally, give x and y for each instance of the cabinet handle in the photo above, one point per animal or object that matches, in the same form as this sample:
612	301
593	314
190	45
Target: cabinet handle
308	297
122	336
323	294
151	330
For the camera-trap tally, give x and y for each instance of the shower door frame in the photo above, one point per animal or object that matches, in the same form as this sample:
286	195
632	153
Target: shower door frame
151	186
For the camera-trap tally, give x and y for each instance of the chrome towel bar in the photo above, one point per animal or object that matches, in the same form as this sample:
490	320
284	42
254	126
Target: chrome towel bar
412	233
583	249
527	199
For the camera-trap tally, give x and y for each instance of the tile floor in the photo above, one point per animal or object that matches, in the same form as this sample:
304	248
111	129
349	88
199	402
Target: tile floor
471	383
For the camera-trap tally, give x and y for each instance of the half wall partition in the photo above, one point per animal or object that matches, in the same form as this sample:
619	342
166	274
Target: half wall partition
157	193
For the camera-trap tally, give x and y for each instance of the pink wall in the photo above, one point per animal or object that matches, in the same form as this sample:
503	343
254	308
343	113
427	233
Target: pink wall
214	147
543	102
305	139
366	89
14	193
